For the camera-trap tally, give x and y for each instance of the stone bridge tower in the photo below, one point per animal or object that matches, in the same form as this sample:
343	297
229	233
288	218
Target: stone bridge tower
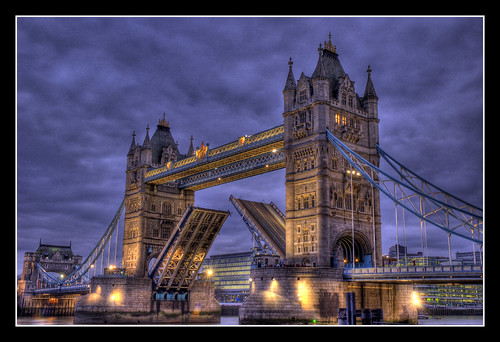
151	211
53	258
323	206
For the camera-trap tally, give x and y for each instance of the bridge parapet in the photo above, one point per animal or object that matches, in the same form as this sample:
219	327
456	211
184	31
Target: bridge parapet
80	288
455	273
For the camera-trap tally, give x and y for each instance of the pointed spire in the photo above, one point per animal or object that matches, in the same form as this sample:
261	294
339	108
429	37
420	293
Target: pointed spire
147	142
320	71
369	89
191	149
132	145
290	81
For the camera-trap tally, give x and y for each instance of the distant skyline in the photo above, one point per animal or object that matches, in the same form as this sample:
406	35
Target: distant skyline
84	84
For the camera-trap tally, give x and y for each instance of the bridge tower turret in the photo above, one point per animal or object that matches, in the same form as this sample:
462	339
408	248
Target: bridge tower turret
151	211
323	205
290	88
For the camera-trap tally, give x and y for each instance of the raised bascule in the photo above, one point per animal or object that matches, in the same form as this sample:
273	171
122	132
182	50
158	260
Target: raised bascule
328	239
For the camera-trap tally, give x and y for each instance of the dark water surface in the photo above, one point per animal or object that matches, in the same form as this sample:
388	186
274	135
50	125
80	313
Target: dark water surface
233	320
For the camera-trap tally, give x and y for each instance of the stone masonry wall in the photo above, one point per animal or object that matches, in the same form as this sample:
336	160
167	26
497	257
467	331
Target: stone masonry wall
120	300
300	294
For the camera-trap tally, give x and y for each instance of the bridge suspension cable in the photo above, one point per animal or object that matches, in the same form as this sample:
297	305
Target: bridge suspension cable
89	262
418	196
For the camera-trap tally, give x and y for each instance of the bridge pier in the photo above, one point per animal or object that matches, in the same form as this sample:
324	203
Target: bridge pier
124	300
299	295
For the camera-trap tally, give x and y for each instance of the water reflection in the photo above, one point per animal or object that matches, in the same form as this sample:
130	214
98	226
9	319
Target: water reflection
233	320
225	320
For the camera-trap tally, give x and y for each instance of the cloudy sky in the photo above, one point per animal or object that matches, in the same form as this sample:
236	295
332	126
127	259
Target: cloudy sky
84	84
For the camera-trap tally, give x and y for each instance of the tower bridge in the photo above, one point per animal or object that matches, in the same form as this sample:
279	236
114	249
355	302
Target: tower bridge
328	145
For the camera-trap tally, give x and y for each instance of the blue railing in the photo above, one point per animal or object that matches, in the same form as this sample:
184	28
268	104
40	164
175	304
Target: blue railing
63	289
163	171
415	272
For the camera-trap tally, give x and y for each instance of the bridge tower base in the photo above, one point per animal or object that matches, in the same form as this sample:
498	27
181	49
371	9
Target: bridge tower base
304	295
122	300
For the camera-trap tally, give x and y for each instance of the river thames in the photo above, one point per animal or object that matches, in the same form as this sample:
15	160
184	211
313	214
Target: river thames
233	320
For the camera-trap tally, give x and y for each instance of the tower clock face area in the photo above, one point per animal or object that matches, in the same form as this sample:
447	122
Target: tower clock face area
333	214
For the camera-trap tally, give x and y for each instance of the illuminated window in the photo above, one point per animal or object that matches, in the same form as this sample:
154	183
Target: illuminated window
344	120
337	119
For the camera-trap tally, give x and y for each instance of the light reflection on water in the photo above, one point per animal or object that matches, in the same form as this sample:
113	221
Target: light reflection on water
452	320
39	320
233	320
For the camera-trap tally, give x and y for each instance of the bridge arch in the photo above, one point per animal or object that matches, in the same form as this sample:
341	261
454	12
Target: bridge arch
151	259
343	250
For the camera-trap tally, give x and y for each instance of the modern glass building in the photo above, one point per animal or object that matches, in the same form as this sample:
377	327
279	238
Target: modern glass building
450	295
418	259
230	274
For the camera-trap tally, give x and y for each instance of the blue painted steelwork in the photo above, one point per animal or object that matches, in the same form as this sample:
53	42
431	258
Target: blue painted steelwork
440	211
266	224
247	143
456	273
80	288
261	162
90	260
411	178
178	263
159	267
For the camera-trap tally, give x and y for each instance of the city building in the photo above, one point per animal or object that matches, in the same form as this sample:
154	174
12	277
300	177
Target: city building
230	274
450	296
419	259
470	258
